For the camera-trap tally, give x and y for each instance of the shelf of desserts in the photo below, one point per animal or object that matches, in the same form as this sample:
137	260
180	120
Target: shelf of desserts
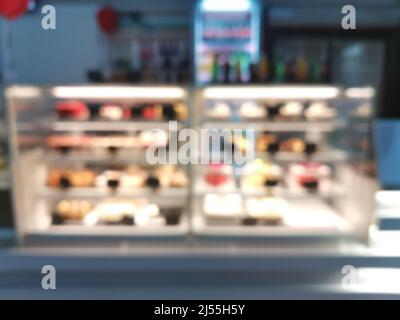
292	116
123	214
107	147
267	216
297	180
282	147
119	181
79	116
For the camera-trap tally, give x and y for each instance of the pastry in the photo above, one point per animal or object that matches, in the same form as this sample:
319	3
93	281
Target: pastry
109	178
296	145
171	176
219	111
181	111
251	110
112	212
153	138
222	205
72	110
71	178
291	111
119	212
260	174
113	112
309	174
240	143
149	215
267	210
217	175
134	177
267	143
73	210
152	112
320	111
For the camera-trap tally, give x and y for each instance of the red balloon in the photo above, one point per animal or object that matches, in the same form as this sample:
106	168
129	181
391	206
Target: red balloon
12	9
107	18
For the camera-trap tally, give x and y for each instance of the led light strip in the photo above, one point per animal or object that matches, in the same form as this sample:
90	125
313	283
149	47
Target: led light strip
360	93
118	92
22	92
281	92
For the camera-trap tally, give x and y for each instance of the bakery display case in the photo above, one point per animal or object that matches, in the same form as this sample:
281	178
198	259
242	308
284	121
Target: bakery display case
304	176
80	166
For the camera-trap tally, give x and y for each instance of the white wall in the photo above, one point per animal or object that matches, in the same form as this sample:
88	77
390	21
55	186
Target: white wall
58	56
64	55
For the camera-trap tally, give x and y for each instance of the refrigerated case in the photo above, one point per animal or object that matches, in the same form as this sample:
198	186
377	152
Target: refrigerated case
308	178
81	167
226	37
79	162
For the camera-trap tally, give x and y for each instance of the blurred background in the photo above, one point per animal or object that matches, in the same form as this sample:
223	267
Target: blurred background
84	83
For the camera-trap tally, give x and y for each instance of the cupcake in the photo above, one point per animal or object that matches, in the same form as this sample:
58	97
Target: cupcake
318	111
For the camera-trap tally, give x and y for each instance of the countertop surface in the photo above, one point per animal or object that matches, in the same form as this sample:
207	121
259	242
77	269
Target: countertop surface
129	271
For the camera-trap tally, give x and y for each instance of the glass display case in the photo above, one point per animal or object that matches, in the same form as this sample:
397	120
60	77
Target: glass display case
80	166
308	176
83	165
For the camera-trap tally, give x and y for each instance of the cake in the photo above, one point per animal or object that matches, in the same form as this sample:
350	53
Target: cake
114	112
267	143
291	111
309	175
320	111
71	178
251	110
216	205
153	138
266	210
73	210
124	212
171	176
220	111
72	110
295	145
261	174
